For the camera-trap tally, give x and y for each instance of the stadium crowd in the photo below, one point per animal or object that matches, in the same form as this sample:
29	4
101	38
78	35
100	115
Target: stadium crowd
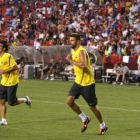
110	26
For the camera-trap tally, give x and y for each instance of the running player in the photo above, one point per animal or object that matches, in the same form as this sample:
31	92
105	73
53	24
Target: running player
9	82
84	84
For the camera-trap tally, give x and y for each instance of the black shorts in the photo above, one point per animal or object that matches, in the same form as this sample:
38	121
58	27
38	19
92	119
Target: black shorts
88	93
9	93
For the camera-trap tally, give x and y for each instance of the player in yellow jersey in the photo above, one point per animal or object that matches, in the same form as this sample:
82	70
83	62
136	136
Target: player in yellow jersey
84	83
9	82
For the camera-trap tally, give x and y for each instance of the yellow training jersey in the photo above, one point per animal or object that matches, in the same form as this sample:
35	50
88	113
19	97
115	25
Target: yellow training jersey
12	78
84	77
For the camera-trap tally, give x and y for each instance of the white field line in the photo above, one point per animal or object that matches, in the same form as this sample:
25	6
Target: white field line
59	103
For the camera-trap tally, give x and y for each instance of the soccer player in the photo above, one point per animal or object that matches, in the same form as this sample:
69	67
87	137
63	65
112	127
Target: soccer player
9	82
84	84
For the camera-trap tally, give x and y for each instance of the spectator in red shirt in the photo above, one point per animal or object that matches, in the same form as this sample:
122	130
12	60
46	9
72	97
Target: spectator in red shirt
129	49
105	11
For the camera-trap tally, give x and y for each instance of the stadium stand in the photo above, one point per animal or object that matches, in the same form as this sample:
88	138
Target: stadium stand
111	27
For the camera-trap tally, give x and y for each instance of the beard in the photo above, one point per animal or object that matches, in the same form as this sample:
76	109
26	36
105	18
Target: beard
73	46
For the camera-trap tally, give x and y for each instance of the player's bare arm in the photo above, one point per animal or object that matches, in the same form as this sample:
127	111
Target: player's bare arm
9	70
83	60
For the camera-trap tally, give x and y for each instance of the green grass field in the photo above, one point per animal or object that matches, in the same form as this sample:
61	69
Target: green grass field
50	118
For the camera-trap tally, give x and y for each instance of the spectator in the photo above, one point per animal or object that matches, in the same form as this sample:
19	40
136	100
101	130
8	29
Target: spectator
60	66
123	49
52	71
37	45
134	7
21	66
137	48
27	61
119	49
109	51
115	71
109	22
124	72
1	23
8	11
127	6
49	69
136	78
129	49
1	15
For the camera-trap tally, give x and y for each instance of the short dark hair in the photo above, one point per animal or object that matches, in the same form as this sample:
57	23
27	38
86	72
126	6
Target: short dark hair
22	58
123	64
75	35
5	45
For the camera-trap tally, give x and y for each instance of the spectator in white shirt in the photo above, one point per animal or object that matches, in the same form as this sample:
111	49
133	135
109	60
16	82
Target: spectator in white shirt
37	45
95	45
41	35
104	34
134	7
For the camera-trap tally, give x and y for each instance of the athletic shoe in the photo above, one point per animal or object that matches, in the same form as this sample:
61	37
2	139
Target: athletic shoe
102	131
46	78
52	78
114	83
3	123
121	83
28	102
138	84
85	124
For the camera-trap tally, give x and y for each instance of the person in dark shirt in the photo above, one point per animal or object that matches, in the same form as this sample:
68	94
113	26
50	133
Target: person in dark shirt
136	78
27	61
0	14
50	69
60	66
129	49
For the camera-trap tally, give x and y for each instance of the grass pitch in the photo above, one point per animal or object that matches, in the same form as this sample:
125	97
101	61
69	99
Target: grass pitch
50	118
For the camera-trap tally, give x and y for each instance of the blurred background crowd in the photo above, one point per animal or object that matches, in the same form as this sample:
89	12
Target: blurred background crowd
110	26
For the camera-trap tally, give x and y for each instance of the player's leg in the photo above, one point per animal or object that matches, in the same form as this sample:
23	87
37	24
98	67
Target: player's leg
74	94
90	97
97	113
13	100
103	127
73	105
25	100
3	107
